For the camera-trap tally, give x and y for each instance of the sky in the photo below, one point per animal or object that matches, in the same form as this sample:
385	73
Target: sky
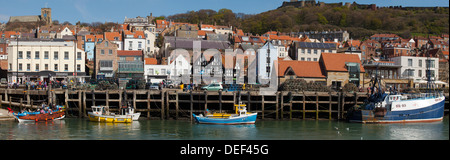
116	10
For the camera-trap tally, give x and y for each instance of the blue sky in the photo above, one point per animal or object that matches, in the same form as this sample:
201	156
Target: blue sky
116	10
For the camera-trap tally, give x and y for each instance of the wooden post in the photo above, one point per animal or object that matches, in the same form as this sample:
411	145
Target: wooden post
80	107
192	103
120	97
167	104
28	98
282	105
290	105
107	99
134	99
248	100
176	105
317	106
1	100
262	105
84	104
304	106
162	104
343	106
329	106
206	100
220	101
66	94
276	106
148	105
93	98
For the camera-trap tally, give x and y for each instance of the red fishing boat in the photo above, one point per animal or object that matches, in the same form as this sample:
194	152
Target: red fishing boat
42	115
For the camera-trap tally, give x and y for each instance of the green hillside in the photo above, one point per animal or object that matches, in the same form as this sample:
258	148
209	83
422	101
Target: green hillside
359	22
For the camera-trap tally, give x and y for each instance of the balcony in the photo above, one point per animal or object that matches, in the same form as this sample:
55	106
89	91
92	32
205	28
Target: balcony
131	67
106	69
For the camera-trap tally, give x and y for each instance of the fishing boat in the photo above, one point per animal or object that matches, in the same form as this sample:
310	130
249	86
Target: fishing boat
45	114
240	117
102	114
393	107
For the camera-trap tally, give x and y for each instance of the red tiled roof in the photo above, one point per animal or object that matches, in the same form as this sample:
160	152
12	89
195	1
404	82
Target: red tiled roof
128	53
208	26
150	61
384	35
111	35
336	61
301	68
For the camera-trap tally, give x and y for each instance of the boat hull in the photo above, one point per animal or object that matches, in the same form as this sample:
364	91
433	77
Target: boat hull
243	119
110	119
431	113
41	117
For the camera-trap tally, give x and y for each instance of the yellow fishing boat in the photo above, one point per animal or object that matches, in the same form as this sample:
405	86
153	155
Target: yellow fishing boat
101	114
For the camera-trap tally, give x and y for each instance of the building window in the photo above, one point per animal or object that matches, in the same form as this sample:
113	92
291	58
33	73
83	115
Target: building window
110	52
36	55
56	67
66	55
303	58
163	71
430	63
28	54
309	51
20	56
28	67
420	72
102	52
139	45
78	55
37	67
78	67
315	59
66	67
315	51
410	62
150	71
45	54
106	63
20	66
55	55
46	66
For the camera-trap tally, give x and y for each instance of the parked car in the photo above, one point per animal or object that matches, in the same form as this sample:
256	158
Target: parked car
213	87
170	84
154	86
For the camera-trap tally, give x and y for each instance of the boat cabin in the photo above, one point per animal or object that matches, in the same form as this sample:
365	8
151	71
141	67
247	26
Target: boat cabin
100	110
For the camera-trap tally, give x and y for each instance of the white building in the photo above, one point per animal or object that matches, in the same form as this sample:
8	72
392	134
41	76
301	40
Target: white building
267	54
415	67
150	38
134	41
65	32
36	60
153	72
308	51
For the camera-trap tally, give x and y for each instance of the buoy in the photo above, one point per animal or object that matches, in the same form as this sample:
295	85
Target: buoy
36	119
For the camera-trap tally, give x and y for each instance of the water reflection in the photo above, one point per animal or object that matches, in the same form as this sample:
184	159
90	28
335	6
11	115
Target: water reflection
222	132
408	131
83	129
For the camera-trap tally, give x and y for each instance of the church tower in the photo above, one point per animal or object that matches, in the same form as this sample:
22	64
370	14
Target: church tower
46	15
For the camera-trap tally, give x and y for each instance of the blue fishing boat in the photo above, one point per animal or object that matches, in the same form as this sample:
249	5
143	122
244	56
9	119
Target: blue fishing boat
241	117
393	107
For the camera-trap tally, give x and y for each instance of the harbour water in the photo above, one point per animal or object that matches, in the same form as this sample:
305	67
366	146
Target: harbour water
83	129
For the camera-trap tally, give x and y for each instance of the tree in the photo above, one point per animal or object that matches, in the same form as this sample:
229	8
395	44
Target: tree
343	21
321	19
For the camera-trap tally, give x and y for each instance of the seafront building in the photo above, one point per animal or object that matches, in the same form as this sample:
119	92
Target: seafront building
37	60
